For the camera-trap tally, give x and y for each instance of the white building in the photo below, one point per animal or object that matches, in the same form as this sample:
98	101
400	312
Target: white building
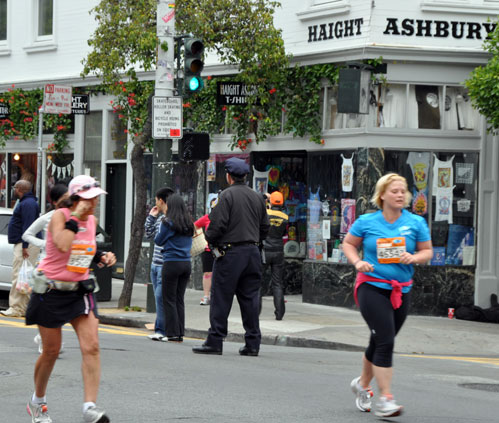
429	48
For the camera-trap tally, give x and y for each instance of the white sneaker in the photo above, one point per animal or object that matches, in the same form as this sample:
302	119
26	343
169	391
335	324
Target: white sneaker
387	407
155	336
95	414
10	312
205	301
38	412
38	340
362	395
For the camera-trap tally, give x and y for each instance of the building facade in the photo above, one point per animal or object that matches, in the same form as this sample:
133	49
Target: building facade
420	123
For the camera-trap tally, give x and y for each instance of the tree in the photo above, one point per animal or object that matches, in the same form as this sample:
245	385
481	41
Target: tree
483	85
240	32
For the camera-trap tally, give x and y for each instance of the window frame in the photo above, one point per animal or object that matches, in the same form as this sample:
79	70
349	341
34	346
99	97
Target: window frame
5	44
37	42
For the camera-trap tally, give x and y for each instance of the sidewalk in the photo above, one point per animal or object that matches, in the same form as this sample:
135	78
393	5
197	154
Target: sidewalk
316	326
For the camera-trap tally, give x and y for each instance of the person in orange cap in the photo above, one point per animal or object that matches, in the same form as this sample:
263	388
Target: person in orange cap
273	253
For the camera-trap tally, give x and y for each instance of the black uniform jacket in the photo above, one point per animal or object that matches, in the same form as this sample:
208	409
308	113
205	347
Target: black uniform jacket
240	215
278	225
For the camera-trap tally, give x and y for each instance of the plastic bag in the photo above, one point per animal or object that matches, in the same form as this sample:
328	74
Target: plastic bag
25	278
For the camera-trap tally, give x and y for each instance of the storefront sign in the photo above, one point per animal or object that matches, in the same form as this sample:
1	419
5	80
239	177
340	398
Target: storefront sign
4	111
339	29
57	99
80	104
439	29
230	93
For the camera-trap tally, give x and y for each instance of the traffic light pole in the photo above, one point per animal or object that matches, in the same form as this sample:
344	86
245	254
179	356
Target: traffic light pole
164	86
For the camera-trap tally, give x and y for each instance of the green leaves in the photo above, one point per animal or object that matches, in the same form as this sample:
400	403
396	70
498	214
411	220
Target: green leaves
483	84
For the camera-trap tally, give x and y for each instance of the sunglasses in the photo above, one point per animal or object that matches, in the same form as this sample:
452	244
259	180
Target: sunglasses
86	187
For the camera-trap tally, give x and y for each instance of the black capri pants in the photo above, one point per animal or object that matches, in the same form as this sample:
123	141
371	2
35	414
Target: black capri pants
383	321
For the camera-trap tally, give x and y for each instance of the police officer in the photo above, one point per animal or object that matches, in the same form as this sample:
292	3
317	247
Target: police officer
273	248
238	223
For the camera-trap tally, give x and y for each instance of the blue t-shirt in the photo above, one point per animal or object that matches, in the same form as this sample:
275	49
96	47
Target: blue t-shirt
373	226
176	247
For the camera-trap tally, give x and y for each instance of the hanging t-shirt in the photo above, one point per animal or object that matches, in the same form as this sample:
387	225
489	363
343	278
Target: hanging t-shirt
443	174
420	164
443	204
347	174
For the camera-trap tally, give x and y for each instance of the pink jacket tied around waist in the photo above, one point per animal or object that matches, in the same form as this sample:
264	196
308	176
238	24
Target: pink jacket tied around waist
396	295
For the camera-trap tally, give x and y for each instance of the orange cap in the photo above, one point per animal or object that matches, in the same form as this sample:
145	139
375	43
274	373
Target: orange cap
276	198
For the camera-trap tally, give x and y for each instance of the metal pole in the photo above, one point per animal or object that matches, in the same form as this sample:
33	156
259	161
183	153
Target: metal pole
165	76
39	157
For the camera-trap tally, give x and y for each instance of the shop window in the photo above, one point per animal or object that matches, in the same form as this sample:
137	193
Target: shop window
3	20
22	166
335	120
459	113
444	192
45	17
389	103
60	170
117	142
286	172
330	204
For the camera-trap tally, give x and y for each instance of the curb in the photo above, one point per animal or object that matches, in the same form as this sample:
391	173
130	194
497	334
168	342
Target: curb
278	340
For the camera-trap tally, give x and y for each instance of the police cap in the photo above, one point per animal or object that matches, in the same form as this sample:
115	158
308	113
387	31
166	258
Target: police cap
236	167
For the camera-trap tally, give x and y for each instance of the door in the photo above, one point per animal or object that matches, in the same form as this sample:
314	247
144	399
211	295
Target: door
115	212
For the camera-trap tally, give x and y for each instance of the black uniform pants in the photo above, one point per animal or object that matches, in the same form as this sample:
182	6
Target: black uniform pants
275	259
238	273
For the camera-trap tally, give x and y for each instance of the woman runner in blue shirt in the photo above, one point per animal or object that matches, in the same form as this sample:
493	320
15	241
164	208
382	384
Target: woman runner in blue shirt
393	240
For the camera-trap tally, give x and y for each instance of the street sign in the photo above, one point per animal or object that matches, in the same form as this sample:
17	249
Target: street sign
80	104
167	117
233	93
57	99
194	146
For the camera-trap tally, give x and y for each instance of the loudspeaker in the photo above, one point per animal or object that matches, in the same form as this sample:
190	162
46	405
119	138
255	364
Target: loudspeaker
194	146
353	91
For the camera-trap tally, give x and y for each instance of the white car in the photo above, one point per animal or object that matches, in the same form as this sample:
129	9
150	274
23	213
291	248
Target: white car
6	251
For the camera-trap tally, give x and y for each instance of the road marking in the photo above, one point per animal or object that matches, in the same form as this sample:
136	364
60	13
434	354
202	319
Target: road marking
481	360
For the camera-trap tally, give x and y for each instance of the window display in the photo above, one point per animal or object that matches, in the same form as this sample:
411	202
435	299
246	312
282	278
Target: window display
452	188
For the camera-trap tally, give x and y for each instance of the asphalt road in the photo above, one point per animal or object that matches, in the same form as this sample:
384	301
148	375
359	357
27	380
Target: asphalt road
145	381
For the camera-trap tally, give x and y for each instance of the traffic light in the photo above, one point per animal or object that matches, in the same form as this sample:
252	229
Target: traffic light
193	65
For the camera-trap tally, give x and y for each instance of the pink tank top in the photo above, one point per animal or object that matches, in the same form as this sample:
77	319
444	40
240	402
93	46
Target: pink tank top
55	263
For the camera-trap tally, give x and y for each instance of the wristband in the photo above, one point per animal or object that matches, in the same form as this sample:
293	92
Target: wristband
98	256
356	261
71	225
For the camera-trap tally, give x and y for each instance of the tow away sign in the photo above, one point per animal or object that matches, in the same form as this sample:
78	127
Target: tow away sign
57	99
167	117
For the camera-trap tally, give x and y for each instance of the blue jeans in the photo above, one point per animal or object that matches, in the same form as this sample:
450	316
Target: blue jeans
159	326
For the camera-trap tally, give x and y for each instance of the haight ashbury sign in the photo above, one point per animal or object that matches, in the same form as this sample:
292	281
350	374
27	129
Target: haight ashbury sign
404	27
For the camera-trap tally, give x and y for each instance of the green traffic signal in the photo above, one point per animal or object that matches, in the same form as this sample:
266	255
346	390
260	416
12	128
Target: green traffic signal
193	65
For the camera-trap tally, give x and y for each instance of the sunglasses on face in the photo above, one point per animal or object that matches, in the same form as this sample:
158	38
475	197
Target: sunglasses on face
86	187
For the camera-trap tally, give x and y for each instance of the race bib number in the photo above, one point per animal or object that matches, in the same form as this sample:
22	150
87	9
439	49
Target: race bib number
81	257
389	250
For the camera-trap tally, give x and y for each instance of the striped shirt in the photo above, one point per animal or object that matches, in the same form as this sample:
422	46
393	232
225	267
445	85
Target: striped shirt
151	229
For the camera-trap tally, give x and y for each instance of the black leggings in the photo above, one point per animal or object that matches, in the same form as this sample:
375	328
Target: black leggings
383	321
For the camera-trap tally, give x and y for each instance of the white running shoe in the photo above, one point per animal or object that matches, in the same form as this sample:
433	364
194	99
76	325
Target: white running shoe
362	395
387	407
38	340
205	301
38	412
95	414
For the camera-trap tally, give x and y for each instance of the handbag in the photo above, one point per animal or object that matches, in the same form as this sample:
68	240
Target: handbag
199	243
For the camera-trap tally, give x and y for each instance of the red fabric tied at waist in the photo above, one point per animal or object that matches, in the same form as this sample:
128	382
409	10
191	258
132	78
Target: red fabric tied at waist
396	295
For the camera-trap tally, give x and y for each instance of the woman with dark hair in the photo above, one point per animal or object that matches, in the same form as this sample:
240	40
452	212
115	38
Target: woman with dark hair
175	236
63	293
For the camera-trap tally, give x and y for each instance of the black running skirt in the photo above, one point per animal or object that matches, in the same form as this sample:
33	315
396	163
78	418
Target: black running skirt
56	308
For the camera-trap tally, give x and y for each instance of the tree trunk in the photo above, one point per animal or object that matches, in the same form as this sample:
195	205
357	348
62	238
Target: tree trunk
140	210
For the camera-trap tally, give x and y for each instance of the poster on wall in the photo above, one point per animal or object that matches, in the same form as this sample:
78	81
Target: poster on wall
459	237
211	172
464	173
347	214
438	258
260	181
